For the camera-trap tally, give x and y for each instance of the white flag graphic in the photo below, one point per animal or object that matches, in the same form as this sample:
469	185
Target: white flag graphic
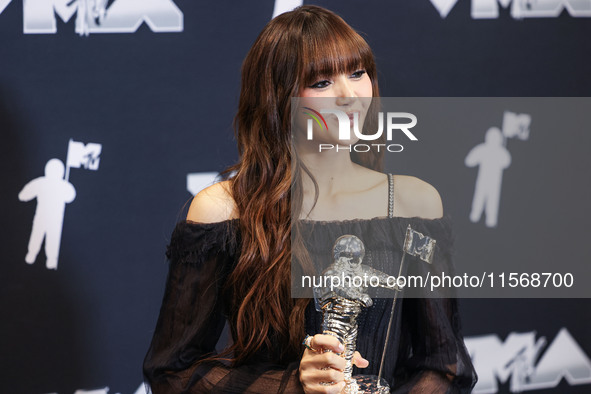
80	155
516	125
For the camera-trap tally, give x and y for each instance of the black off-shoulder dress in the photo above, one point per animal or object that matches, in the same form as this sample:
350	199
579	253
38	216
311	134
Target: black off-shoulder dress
426	352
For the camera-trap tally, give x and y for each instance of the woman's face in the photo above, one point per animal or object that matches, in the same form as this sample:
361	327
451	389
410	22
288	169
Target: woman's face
349	93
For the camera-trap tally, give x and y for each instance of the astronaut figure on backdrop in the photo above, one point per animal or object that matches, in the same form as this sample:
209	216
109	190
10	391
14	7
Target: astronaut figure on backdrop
492	158
52	192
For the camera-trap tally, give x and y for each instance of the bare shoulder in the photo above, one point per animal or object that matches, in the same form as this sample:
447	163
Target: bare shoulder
213	204
414	197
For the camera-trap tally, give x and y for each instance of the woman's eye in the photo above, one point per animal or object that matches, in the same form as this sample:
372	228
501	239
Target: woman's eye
320	84
358	74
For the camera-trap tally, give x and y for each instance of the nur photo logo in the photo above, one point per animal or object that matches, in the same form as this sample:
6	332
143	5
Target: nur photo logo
350	125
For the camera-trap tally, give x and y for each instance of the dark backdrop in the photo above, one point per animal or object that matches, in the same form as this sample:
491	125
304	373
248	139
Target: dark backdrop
161	104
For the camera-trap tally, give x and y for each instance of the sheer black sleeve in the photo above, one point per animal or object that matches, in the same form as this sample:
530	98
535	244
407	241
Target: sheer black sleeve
193	315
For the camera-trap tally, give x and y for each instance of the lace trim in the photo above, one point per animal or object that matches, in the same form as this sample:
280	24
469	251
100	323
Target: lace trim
193	242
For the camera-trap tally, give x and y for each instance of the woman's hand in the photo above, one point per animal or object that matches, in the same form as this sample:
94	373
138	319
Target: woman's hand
321	371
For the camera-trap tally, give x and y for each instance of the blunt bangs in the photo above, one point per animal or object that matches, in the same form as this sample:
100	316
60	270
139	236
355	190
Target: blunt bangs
332	47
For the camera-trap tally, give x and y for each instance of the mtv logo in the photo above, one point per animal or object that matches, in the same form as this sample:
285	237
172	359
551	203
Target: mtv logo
417	244
516	125
522	361
80	155
96	16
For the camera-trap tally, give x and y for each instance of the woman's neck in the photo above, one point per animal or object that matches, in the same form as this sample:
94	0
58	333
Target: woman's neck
333	172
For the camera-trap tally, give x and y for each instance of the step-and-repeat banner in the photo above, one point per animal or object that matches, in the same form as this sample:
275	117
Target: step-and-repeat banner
113	113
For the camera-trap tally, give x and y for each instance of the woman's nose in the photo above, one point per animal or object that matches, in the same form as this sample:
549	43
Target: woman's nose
343	89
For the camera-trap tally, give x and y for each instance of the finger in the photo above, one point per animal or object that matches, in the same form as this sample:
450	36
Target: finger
325	375
315	361
316	381
328	389
327	342
323	360
359	361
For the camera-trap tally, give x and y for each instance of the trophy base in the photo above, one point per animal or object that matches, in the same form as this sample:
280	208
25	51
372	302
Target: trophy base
368	384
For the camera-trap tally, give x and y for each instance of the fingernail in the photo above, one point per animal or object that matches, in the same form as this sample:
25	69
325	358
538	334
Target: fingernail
341	347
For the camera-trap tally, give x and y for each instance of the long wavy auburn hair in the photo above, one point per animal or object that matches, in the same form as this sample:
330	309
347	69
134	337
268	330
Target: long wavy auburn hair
293	51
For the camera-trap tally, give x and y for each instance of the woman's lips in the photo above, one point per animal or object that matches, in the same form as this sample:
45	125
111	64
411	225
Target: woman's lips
351	116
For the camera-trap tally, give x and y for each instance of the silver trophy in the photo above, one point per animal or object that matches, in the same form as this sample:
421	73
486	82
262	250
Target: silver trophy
342	302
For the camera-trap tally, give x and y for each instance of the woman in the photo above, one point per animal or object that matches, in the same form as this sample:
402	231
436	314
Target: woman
231	260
